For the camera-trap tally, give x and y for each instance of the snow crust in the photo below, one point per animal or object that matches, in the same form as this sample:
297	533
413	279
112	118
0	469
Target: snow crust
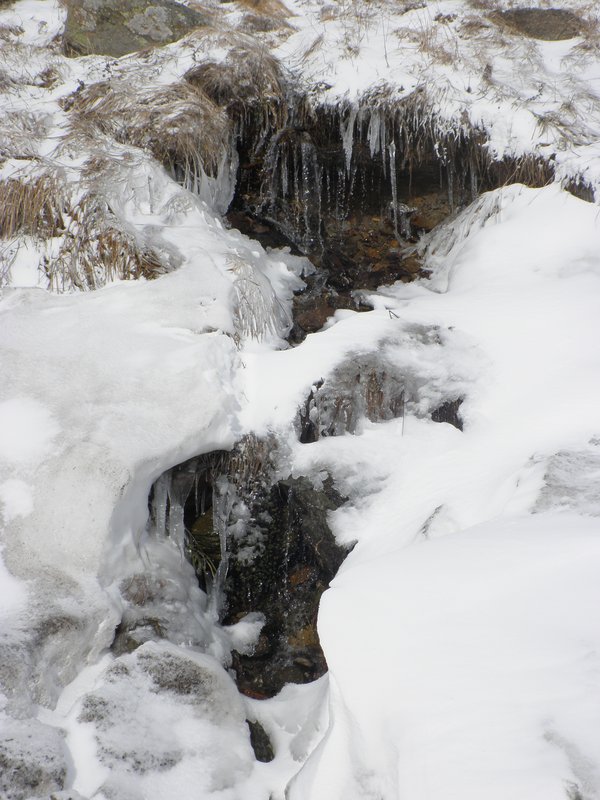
462	631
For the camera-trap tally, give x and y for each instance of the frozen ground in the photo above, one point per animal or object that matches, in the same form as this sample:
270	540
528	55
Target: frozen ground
462	631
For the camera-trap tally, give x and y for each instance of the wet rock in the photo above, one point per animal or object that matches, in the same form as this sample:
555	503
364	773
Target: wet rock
299	558
431	210
310	316
132	633
550	24
278	557
118	27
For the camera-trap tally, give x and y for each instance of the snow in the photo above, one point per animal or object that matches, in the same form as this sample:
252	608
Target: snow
462	630
488	661
27	430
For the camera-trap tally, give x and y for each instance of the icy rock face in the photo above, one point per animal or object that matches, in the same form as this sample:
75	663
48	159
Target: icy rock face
292	185
285	582
263	550
114	27
160	716
33	759
362	388
351	185
404	374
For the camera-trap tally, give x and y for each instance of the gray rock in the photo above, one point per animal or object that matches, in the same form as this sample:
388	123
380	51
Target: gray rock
118	27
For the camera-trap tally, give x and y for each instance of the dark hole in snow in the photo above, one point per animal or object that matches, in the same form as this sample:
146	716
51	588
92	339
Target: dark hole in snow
279	553
449	412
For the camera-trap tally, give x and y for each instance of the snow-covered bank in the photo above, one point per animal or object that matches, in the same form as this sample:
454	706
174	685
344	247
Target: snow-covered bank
471	633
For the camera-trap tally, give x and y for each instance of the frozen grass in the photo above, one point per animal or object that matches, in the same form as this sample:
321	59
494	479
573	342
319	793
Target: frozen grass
178	125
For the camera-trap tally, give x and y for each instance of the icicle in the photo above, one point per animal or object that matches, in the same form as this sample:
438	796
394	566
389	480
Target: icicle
223	501
159	503
382	141
311	193
473	175
284	167
176	524
347	132
450	171
392	153
374	133
404	215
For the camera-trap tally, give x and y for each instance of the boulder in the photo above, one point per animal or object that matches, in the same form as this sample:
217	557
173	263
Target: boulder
118	27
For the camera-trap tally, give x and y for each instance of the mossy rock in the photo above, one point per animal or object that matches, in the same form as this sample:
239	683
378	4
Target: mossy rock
118	27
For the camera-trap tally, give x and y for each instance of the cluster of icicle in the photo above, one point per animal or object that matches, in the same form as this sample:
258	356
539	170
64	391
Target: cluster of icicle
299	188
170	494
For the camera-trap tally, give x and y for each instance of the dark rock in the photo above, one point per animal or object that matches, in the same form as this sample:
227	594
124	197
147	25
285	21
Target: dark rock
550	24
449	412
118	27
311	317
261	743
299	558
280	557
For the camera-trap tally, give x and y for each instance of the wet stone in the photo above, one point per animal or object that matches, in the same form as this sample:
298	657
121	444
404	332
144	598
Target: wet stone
299	558
364	387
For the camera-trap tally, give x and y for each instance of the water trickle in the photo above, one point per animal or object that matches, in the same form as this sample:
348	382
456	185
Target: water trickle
394	185
292	181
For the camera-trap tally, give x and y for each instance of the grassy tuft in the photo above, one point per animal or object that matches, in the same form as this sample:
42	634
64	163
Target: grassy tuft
34	207
178	125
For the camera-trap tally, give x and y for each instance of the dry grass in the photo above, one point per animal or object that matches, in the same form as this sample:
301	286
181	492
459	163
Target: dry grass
178	125
268	8
32	207
94	244
98	247
251	461
257	310
21	132
9	32
248	83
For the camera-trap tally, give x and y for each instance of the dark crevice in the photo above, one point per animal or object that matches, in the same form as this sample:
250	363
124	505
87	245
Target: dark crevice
258	543
449	412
